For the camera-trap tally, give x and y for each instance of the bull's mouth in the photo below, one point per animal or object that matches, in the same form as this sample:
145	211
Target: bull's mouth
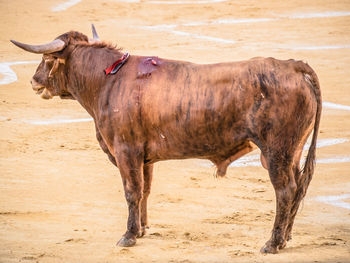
43	92
39	90
46	94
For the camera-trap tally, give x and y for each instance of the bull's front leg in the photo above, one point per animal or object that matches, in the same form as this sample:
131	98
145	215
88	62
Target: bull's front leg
130	163
147	180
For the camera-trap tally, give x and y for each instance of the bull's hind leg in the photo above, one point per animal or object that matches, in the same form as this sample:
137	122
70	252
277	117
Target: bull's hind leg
147	180
130	163
299	195
296	202
282	178
300	182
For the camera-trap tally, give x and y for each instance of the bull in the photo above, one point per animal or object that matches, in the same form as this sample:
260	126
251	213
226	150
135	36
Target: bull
155	109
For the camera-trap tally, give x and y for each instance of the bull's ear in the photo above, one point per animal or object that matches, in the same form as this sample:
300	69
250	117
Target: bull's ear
56	64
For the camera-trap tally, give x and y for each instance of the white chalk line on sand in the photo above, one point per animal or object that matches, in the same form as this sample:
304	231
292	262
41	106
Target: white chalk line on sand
254	20
335	200
250	20
341	159
208	38
241	163
328	14
311	48
65	5
254	160
170	28
186	2
9	75
208	23
129	1
335	106
50	122
326	142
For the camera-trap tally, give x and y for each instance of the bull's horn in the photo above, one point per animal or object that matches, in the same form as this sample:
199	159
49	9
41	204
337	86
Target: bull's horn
94	33
54	46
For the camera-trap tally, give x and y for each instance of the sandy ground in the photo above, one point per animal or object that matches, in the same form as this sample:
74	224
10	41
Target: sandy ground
62	201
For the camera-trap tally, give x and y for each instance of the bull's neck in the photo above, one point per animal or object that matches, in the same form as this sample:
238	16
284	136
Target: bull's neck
86	74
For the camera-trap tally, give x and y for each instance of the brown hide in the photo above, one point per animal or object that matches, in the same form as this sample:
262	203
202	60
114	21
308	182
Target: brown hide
158	109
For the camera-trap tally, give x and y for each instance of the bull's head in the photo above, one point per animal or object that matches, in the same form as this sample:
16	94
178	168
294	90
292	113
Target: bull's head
49	79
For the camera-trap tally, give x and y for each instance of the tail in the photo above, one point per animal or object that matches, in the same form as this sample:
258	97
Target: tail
309	165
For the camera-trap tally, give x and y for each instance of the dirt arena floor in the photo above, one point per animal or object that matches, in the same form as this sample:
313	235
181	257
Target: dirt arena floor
62	201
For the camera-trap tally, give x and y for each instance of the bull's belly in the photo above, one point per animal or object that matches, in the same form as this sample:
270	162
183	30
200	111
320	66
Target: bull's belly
164	149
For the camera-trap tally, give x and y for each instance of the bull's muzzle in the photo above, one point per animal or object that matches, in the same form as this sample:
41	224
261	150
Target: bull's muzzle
41	90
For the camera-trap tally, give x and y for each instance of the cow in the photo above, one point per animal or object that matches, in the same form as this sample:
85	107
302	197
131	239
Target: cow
153	109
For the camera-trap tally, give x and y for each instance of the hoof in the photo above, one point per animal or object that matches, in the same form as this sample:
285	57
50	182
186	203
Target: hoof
126	242
268	249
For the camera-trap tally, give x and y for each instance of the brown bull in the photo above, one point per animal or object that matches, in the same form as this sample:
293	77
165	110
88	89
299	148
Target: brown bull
156	109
